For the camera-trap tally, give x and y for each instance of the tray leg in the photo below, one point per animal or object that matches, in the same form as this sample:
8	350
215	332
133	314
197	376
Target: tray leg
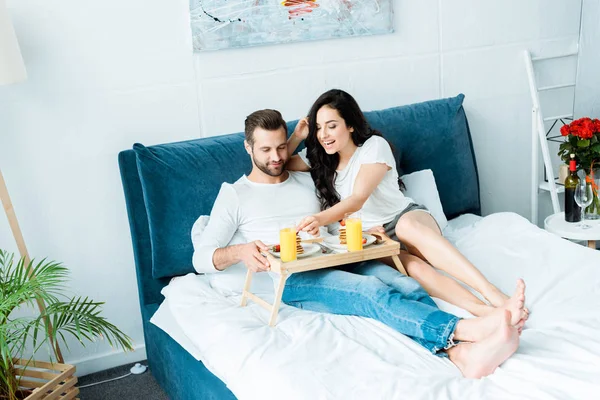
399	265
592	244
277	299
246	288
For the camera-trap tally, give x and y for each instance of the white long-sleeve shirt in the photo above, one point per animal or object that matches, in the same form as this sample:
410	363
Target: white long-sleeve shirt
246	211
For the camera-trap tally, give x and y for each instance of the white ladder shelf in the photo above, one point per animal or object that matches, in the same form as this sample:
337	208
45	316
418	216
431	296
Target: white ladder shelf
539	135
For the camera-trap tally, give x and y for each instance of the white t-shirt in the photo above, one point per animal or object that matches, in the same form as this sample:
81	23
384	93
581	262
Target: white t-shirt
252	211
387	200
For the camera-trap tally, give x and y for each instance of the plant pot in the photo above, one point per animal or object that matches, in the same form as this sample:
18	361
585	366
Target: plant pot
40	380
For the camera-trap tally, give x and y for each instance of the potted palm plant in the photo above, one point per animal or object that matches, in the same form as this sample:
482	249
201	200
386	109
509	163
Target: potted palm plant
23	284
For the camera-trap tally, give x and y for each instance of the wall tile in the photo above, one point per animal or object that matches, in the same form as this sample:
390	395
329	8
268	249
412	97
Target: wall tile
226	102
472	23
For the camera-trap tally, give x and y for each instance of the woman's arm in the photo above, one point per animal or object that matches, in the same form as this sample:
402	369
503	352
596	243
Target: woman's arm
296	163
300	133
293	142
367	179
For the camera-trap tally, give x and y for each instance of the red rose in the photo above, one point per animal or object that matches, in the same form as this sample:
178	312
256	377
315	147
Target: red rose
577	123
583	121
587	130
564	130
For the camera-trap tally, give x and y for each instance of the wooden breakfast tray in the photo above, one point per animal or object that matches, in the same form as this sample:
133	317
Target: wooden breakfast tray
389	248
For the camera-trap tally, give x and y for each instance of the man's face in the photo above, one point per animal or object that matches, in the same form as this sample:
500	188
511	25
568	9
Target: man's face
269	151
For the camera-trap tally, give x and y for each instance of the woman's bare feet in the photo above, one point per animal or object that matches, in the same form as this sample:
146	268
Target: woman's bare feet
477	329
476	360
516	304
512	304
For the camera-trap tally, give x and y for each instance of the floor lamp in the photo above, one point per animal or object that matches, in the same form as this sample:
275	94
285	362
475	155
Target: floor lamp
12	70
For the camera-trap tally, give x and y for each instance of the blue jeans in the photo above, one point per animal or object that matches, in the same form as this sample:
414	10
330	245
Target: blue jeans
373	289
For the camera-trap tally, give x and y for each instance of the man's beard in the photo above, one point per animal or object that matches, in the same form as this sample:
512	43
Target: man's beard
264	168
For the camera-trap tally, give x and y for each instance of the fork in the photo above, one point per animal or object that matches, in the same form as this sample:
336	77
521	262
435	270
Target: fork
325	249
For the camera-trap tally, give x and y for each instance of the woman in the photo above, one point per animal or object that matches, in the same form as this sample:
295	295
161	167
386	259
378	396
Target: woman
353	169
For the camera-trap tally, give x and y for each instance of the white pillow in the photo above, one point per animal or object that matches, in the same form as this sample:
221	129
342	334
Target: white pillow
231	280
421	187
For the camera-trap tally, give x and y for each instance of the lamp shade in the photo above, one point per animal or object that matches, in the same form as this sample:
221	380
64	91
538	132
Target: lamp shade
12	68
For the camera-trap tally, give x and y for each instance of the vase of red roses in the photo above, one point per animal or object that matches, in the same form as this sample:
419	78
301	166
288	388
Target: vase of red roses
582	138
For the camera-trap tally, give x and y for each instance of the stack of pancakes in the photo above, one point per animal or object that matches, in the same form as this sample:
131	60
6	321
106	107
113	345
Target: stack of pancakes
343	235
299	248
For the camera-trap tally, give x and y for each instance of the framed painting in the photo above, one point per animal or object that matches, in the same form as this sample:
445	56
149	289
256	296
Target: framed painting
224	24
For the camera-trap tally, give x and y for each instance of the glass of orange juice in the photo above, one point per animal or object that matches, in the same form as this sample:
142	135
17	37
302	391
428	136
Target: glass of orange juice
354	231
287	242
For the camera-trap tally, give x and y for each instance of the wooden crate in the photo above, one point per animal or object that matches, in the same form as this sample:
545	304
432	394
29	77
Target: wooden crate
48	381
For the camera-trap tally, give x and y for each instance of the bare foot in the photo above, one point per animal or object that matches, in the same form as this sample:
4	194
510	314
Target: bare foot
495	296
516	304
500	300
477	329
476	360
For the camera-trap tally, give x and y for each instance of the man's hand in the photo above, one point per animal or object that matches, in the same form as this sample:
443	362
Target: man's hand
249	254
301	130
310	224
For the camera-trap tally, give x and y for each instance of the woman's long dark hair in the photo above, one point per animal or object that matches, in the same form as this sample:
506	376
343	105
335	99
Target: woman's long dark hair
323	165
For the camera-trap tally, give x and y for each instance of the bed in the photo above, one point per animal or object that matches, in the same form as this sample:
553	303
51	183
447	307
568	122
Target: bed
215	349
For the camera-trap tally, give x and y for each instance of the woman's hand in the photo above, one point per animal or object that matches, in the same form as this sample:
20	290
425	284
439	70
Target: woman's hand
301	130
310	224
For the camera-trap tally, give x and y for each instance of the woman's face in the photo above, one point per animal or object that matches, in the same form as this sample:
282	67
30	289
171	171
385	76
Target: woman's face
332	132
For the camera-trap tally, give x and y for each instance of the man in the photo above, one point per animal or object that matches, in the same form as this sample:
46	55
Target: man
257	205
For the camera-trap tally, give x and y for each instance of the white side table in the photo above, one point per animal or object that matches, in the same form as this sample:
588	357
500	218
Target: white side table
556	224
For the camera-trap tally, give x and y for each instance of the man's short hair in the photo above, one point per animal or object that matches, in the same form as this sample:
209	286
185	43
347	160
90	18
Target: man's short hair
269	120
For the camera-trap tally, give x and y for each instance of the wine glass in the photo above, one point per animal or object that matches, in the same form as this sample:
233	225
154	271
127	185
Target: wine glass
583	198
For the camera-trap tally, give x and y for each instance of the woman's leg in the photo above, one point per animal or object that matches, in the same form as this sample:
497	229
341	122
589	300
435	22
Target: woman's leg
434	283
422	237
443	287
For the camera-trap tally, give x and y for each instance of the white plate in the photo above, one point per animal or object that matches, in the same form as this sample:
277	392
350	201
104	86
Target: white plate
309	249
334	241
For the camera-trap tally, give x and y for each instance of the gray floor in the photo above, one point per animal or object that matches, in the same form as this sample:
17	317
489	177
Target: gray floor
141	386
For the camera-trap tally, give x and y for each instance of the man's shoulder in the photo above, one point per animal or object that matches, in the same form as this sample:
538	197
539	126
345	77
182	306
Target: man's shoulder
231	191
303	178
236	186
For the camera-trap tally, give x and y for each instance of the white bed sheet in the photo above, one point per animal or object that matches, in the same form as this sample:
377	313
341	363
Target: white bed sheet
321	356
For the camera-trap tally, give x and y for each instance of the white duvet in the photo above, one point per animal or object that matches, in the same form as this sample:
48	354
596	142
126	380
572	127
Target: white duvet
311	355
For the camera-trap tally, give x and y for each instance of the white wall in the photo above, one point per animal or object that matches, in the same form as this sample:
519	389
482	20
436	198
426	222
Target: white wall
588	88
103	75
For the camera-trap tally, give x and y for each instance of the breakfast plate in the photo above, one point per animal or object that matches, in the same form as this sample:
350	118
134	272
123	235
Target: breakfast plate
334	241
309	249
